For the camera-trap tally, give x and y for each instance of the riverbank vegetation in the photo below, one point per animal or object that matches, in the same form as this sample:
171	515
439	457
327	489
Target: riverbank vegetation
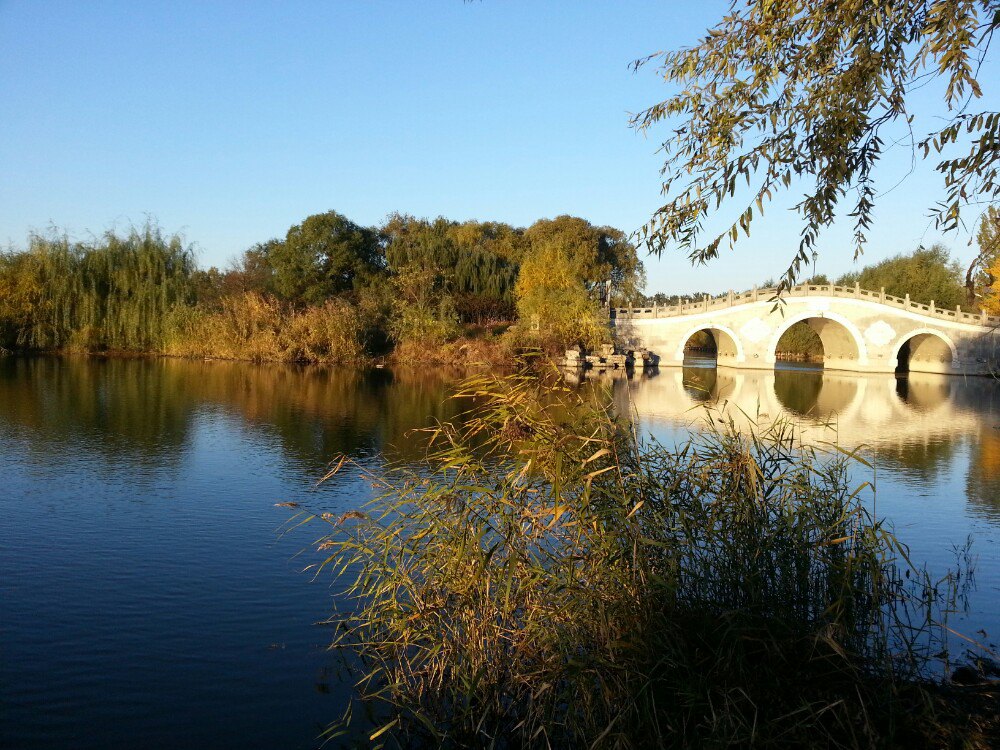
548	579
117	292
329	291
417	290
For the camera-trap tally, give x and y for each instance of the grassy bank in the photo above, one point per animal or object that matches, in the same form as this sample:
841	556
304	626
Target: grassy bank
546	579
473	345
256	328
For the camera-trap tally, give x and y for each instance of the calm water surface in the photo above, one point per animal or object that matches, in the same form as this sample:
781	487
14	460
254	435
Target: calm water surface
147	599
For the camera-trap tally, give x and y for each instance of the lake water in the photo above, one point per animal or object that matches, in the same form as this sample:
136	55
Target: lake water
148	599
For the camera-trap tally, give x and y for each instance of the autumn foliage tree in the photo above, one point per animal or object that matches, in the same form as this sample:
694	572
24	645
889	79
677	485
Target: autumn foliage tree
601	257
991	302
553	304
984	273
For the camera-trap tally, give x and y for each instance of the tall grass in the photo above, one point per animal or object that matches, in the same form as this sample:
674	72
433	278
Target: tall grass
254	327
546	578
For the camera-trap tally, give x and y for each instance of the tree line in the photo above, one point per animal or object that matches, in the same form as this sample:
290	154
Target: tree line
329	290
334	290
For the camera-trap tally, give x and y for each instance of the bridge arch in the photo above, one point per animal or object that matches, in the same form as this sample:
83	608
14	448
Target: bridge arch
924	350
884	319
843	343
728	347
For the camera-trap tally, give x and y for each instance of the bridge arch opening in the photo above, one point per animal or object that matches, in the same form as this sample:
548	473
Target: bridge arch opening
925	351
799	343
700	383
924	392
840	341
711	346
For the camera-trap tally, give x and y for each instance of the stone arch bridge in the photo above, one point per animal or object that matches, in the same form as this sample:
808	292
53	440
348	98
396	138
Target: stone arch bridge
861	330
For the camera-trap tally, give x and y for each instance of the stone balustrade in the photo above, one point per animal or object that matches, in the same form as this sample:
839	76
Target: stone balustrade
770	294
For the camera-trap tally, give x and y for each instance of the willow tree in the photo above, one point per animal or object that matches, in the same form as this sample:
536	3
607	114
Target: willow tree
117	292
474	262
802	94
133	283
21	293
486	267
52	293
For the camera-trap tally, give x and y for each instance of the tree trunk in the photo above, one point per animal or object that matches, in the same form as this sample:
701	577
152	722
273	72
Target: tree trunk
970	280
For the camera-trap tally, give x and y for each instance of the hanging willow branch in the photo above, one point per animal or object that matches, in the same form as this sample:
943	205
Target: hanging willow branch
785	93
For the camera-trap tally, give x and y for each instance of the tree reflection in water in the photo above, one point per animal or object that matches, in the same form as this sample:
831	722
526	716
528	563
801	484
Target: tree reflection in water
143	412
983	480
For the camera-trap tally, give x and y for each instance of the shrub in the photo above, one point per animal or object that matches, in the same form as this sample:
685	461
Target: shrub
331	332
423	310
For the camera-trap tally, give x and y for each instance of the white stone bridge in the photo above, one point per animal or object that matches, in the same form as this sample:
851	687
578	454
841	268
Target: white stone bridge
861	330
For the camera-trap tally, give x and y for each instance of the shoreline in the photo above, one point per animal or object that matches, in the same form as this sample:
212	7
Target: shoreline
462	352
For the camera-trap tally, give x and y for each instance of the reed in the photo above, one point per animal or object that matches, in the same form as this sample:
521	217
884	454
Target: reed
258	328
547	578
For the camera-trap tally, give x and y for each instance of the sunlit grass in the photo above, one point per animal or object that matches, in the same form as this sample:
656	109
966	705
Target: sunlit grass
258	328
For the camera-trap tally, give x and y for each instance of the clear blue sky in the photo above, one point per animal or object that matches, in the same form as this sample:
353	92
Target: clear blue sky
229	122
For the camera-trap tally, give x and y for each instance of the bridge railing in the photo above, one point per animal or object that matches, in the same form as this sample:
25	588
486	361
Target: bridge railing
731	299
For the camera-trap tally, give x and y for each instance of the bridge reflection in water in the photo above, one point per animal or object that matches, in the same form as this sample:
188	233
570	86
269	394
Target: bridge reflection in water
929	429
934	442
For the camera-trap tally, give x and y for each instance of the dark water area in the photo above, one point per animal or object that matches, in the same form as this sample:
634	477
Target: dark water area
148	598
